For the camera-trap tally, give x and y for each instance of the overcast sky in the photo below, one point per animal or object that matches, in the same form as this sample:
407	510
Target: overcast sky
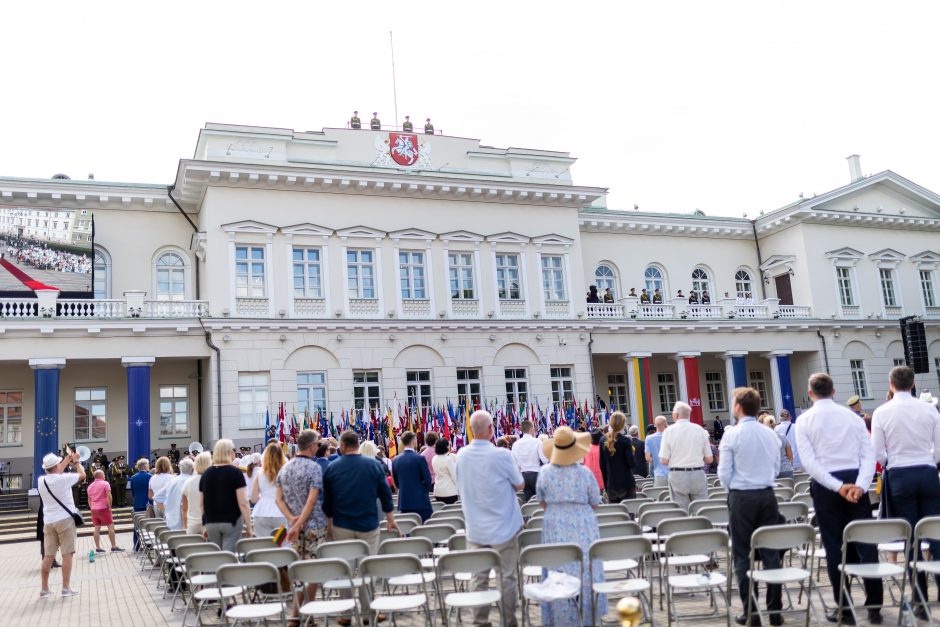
729	107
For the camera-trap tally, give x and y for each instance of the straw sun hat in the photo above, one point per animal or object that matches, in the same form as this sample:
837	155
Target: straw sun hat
567	447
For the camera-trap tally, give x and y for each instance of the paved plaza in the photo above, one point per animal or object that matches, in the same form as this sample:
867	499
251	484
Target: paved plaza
114	591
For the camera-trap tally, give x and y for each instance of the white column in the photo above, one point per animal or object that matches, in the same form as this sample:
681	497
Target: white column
429	277
683	384
569	288
325	280
290	273
775	378
269	274
729	380
345	280
539	279
448	295
478	278
231	273
380	278
496	312
524	282
399	305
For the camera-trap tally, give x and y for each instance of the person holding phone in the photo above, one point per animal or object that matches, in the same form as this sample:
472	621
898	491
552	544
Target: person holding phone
59	530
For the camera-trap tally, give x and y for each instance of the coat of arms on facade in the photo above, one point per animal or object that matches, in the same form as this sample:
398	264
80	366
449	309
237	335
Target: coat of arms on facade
403	150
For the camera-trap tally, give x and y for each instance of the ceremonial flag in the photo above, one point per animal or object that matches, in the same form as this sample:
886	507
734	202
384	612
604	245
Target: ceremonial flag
267	425
641	377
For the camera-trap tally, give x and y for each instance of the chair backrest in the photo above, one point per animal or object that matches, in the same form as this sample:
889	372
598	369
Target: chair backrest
619	529
609	517
405	525
805	498
185	550
793	511
530	537
436	505
616	508
717	515
453	521
696	506
550	555
877	531
452	506
782	537
407	516
407	546
435	533
388	534
785	482
653	506
927	528
633	505
209	562
670	526
174	542
716	492
635	548
319	570
279	556
535	522
652	519
246	545
472	562
350	551
457	542
530	508
784	493
654	492
695	542
801	487
386	566
248	575
165	535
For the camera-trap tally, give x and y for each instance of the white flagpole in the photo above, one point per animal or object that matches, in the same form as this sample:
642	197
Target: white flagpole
391	41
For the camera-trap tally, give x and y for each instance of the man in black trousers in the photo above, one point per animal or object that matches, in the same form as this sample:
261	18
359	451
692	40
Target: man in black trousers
836	451
748	463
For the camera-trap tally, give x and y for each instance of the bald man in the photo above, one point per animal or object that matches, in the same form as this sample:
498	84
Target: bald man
99	499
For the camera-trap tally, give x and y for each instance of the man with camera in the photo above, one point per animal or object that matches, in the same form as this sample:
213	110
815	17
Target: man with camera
58	510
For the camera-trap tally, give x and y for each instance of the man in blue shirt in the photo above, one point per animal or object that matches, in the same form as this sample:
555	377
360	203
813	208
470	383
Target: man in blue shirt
487	481
140	485
748	463
653	443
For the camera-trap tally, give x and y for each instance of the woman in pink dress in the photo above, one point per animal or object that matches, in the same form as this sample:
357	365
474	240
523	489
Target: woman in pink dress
593	459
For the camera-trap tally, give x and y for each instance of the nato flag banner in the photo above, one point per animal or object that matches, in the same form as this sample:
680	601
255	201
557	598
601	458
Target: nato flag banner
786	384
138	412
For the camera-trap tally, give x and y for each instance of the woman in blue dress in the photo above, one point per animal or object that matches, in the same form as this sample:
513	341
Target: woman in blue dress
569	495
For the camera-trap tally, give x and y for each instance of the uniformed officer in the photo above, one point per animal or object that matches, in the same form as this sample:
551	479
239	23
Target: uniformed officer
428	127
374	123
117	477
101	459
174	455
407	127
354	121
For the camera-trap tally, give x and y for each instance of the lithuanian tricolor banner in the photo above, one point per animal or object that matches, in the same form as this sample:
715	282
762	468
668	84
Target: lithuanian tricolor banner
644	401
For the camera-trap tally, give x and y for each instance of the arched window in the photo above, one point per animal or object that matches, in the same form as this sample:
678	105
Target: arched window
170	276
700	281
653	278
102	285
742	283
604	278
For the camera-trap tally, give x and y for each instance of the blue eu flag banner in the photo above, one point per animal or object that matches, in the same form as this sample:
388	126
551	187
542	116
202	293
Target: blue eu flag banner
46	417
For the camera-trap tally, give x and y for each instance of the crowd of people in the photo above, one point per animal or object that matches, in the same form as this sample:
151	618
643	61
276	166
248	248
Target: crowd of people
42	256
343	490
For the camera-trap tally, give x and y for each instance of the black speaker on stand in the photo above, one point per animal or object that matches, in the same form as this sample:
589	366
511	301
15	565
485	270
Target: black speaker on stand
914	338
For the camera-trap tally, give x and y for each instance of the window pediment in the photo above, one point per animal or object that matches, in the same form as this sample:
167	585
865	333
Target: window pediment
552	239
462	236
507	238
361	231
249	226
887	258
417	234
845	256
926	260
307	228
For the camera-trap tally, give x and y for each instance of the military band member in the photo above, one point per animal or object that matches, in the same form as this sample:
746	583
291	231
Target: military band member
407	127
354	121
101	459
117	477
428	127
174	455
374	123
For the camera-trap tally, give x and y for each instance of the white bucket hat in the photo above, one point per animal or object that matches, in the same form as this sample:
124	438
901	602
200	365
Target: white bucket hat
51	460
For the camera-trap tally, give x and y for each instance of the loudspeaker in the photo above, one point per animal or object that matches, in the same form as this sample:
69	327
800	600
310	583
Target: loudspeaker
914	338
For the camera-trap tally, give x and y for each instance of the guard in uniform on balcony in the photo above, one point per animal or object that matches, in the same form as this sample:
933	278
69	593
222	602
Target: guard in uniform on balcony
407	127
693	297
657	297
679	294
644	297
428	127
354	121
375	124
608	296
706	299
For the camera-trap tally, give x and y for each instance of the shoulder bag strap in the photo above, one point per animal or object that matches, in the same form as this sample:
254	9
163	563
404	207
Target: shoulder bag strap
61	504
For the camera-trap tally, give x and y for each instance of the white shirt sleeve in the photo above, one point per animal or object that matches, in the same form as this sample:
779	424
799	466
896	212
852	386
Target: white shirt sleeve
706	446
866	462
665	449
878	438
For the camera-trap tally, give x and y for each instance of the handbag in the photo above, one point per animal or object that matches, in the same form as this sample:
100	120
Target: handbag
76	516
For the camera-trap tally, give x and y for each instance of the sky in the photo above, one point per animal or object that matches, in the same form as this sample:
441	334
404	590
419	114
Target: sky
727	107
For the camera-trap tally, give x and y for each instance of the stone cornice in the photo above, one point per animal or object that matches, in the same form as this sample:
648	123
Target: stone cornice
664	224
69	194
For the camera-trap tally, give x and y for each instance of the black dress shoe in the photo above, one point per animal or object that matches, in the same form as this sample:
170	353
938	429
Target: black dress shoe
833	617
776	620
874	617
742	619
920	612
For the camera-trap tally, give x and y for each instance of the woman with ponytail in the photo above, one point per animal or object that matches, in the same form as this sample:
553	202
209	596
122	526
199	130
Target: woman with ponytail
617	460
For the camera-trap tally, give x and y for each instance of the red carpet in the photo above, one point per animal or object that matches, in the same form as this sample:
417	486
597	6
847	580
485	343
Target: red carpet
23	278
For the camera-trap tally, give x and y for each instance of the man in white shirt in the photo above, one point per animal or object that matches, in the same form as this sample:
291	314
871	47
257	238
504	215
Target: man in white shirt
836	451
905	433
59	532
487	480
528	455
787	429
685	450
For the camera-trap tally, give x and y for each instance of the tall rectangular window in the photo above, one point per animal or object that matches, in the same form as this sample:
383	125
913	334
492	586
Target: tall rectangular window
897	362
859	378
367	392
308	278
927	288
617	393
461	276
507	276
311	393
174	410
418	388
91	414
516	386
254	390
411	270
249	272
562	385
715	391
758	380
553	278
846	291
468	387
11	417
666	384
886	276
360	273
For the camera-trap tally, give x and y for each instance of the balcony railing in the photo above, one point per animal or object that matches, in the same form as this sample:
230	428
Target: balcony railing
605	310
893	312
99	308
793	311
724	309
932	313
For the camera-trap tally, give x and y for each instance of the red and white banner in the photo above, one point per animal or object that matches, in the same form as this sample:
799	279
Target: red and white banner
692	387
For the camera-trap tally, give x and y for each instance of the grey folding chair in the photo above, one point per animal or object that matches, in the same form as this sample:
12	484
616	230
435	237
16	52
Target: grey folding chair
785	482
783	494
667	528
535	522
801	487
609	517
623	555
457	522
182	552
653	506
873	532
714	493
466	564
794	511
718	515
650	520
201	578
654	493
696	506
436	506
708	542
926	531
246	545
388	534
247	576
549	556
399	516
612	508
633	505
530	508
787	537
619	529
351	552
171	561
388	568
405	525
319	572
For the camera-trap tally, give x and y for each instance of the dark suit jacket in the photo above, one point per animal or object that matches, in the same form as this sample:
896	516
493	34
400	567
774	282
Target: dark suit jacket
640	465
413	478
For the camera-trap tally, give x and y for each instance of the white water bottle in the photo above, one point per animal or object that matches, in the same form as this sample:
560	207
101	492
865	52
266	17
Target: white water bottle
907	615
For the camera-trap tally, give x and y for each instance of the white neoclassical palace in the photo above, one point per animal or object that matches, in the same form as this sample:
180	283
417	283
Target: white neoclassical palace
325	269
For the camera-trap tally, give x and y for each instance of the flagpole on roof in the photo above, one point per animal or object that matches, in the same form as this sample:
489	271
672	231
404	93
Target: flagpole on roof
391	41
